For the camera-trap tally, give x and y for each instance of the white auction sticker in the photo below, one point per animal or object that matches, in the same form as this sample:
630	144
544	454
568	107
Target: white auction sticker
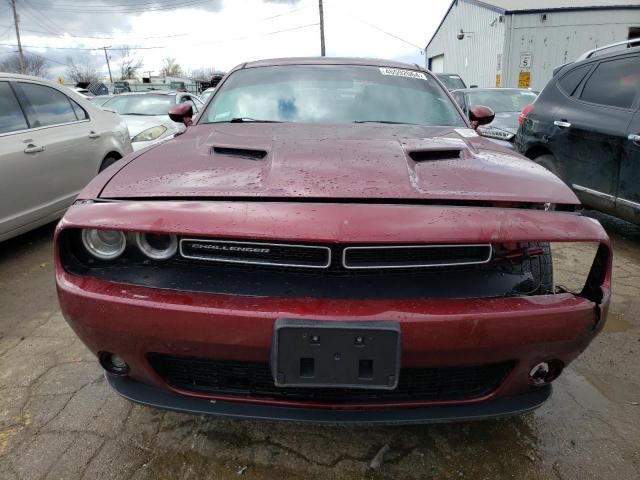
397	72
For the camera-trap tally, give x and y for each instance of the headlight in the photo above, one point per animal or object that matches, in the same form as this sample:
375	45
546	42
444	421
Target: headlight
104	244
150	134
493	132
157	246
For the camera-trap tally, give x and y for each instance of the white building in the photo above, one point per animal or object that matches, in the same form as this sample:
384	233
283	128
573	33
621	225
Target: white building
513	43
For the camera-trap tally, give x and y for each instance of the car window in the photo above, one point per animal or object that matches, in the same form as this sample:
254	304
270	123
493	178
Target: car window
569	82
81	113
614	83
502	99
12	119
333	94
48	105
452	82
459	98
142	104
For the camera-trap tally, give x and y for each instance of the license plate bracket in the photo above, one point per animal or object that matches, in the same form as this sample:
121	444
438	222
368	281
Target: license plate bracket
336	354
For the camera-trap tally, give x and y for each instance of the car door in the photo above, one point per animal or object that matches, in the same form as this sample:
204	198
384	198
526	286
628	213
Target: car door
594	123
60	152
17	206
628	201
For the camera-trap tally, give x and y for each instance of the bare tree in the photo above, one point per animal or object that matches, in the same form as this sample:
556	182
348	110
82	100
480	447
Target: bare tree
83	73
33	65
129	65
170	68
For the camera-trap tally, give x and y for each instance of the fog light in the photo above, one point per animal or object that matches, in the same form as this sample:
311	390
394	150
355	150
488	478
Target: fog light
157	246
104	244
545	372
113	363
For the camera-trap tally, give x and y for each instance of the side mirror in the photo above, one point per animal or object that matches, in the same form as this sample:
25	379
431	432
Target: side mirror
182	113
480	115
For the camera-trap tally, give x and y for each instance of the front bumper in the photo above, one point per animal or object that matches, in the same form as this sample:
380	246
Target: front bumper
134	321
156	397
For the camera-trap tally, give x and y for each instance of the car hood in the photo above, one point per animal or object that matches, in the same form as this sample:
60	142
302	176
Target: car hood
139	123
506	121
371	161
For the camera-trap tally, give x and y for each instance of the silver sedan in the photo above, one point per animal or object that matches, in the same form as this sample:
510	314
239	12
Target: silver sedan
52	142
147	114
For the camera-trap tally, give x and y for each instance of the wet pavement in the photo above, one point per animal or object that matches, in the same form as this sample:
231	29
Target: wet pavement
59	419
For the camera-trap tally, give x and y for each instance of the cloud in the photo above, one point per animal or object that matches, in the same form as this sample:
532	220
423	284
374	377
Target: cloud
221	33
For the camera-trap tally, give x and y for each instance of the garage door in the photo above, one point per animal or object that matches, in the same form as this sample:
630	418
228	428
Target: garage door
437	63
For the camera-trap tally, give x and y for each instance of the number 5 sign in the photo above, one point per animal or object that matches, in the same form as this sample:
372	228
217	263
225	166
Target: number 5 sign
525	60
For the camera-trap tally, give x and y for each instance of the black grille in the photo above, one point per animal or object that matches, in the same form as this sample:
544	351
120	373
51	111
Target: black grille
253	380
415	256
256	253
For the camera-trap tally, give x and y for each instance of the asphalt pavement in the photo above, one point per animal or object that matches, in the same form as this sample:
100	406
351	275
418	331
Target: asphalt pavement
60	420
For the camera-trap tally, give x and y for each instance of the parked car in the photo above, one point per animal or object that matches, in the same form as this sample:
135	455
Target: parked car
52	142
452	81
147	114
507	103
100	100
82	92
204	96
585	127
121	87
329	241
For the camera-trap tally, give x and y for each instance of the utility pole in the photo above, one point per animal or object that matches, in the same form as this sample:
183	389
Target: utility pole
321	29
108	66
16	21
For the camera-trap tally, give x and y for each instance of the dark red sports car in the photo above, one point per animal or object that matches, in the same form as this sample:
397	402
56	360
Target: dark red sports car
329	241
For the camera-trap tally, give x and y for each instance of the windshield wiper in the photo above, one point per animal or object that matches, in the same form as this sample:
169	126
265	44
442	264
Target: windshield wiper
249	120
385	121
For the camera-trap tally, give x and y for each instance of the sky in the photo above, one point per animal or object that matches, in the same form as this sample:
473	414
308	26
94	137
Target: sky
216	33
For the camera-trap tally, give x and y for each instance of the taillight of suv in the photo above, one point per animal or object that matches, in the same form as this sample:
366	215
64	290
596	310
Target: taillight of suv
523	114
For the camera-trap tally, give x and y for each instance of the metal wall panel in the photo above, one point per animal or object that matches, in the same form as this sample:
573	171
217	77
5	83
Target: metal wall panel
561	38
475	57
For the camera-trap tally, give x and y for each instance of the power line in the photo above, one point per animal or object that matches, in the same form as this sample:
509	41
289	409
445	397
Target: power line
80	48
276	32
386	33
128	9
95	38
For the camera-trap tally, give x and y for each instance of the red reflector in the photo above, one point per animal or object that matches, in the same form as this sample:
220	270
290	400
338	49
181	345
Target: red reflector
523	114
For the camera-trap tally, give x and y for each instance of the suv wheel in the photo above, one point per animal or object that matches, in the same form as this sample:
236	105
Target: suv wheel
549	162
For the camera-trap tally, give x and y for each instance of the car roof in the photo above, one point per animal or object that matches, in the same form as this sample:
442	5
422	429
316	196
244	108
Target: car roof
447	74
598	56
154	92
376	62
471	90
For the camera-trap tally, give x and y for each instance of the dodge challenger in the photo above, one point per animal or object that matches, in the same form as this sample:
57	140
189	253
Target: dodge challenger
330	241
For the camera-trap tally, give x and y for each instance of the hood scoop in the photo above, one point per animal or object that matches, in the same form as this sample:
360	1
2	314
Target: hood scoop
246	153
432	154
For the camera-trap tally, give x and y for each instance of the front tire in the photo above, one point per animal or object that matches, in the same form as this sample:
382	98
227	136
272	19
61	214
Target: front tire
108	161
548	161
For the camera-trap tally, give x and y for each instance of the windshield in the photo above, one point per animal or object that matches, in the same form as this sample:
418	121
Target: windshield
144	104
204	96
100	100
332	94
452	82
502	100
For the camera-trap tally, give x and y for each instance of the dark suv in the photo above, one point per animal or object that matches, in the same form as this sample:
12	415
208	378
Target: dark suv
585	127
